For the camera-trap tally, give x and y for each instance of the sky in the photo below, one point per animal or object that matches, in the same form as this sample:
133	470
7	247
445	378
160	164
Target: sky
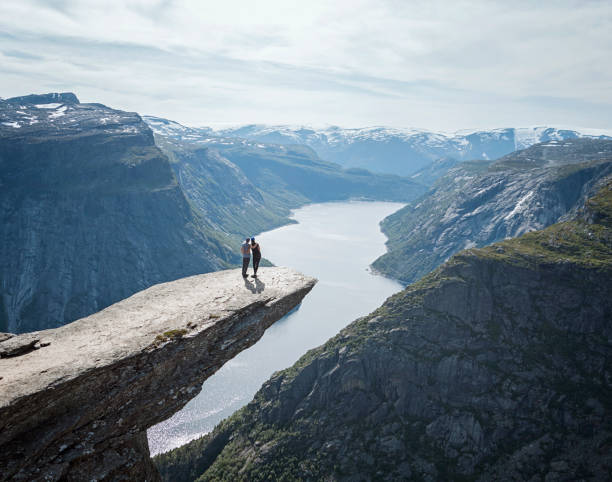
438	65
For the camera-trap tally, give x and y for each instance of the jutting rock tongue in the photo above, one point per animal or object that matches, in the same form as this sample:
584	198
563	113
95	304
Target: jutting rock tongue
76	405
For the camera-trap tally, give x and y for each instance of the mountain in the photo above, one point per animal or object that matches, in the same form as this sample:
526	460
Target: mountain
286	176
399	151
90	212
221	191
480	202
429	174
496	366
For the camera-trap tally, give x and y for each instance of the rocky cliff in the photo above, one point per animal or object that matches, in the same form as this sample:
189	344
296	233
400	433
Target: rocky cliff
480	202
90	212
75	401
496	366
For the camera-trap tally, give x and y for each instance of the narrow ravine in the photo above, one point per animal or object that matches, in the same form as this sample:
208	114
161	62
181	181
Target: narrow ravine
334	242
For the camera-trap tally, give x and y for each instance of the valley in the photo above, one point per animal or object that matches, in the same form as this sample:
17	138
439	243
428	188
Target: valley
425	188
493	366
493	359
95	208
333	242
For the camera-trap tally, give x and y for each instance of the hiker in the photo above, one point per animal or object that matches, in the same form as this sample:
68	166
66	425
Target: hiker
256	256
245	249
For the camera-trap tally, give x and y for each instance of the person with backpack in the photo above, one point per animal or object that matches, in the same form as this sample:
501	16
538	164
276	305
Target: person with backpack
245	249
256	250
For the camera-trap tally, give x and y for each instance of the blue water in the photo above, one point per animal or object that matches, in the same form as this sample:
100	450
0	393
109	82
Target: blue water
334	242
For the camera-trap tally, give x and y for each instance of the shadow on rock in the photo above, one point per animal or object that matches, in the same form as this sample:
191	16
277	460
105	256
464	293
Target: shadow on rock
257	287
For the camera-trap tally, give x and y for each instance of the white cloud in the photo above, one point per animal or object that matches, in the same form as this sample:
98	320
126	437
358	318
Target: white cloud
436	64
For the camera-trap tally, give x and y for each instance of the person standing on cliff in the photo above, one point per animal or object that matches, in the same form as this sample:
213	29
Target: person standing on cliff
245	249
256	250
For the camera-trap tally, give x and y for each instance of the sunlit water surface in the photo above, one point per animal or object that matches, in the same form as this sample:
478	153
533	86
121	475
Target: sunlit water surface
334	242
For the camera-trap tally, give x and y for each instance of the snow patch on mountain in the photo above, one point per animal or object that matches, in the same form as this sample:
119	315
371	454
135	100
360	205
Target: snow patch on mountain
47	106
380	149
521	206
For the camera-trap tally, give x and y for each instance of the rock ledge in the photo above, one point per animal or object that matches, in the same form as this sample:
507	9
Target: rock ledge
77	405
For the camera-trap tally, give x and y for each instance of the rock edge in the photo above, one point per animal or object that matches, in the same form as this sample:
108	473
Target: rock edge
79	407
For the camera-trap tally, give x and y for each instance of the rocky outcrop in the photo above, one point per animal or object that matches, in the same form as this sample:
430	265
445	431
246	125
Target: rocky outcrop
480	202
494	367
90	213
75	402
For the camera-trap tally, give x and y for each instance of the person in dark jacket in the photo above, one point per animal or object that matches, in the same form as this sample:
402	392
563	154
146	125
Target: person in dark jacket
245	249
256	250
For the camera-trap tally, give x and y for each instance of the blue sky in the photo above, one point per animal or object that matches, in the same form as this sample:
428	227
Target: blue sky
441	65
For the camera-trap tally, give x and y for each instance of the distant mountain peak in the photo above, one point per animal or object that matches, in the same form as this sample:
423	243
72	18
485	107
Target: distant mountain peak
52	97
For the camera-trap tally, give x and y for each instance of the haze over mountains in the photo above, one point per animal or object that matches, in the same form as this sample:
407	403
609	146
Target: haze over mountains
383	149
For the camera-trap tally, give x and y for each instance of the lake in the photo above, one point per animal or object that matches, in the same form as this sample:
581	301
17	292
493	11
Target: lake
334	242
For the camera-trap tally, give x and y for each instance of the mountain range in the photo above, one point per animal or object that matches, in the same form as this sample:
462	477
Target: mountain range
383	149
287	176
493	365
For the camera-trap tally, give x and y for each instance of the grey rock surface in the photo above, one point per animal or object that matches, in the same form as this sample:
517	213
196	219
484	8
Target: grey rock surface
78	406
17	345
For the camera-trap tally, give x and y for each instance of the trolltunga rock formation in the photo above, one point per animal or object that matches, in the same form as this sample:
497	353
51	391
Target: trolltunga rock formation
75	401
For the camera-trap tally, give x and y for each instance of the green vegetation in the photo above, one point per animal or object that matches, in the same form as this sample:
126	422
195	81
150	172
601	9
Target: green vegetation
227	202
169	335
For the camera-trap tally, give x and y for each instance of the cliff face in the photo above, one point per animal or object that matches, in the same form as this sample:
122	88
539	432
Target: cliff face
76	403
480	202
90	212
494	367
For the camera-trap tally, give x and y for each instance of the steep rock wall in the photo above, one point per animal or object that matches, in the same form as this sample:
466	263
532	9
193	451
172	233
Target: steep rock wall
90	213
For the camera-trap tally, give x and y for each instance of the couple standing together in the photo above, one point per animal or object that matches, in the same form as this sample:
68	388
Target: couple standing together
250	246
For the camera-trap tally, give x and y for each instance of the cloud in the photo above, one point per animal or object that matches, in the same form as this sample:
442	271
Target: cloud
436	64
